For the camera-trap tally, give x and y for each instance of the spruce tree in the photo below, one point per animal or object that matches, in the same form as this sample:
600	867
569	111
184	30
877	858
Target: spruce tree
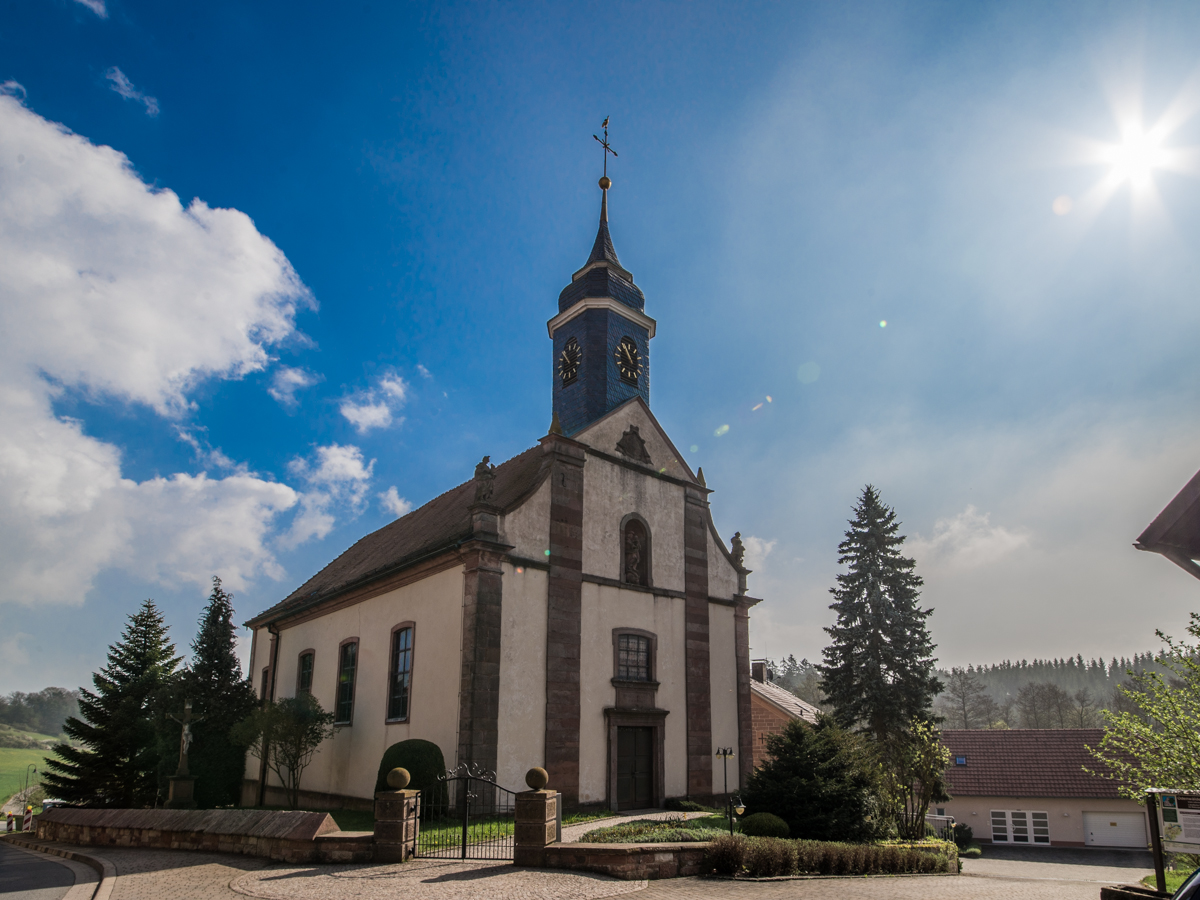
117	762
879	667
221	698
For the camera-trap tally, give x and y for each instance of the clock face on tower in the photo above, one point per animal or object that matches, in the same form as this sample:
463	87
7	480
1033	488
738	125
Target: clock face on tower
629	362
568	361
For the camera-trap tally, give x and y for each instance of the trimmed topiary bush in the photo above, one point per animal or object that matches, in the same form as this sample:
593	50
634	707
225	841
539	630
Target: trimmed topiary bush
725	854
765	824
769	857
425	764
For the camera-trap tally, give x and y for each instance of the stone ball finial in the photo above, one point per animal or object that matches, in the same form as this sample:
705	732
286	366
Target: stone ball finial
605	183
398	779
537	778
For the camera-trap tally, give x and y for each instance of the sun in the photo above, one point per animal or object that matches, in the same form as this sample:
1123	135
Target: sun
1136	157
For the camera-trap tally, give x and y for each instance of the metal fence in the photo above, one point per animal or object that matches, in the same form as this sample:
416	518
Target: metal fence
467	816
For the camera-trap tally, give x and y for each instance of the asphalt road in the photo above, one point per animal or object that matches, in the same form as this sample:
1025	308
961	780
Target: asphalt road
32	876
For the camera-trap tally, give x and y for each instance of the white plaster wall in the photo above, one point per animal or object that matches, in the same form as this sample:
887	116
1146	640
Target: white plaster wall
522	725
722	579
722	653
1065	813
606	608
606	433
611	492
348	762
527	528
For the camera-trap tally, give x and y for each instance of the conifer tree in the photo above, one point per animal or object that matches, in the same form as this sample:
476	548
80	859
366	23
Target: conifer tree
221	698
117	762
879	667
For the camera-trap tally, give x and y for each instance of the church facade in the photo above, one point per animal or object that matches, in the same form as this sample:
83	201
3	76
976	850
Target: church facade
572	607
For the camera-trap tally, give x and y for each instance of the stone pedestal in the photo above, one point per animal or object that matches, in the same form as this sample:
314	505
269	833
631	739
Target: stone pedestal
536	826
179	794
396	825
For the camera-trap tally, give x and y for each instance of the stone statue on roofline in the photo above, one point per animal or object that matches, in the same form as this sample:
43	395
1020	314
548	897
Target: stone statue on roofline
738	550
485	477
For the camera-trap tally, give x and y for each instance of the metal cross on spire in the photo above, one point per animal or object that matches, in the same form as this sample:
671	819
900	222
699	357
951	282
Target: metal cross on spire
607	149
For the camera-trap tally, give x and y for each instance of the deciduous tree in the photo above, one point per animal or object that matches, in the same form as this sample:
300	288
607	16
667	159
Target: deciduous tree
286	733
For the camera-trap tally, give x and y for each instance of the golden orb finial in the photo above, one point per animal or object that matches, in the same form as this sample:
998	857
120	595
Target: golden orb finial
605	183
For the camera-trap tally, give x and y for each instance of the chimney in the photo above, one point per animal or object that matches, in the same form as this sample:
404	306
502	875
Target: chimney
758	670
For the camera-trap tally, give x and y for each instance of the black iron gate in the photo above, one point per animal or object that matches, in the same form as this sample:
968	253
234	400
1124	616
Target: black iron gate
467	816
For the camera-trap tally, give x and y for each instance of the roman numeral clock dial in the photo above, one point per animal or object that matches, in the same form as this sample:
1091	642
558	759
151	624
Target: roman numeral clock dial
629	361
568	361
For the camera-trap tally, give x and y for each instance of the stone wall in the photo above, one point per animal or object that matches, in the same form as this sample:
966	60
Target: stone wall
294	837
631	862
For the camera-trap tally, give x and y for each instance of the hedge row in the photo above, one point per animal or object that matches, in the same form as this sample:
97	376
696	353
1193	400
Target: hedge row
771	857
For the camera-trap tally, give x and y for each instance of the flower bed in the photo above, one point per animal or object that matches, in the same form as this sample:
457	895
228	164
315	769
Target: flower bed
659	831
773	857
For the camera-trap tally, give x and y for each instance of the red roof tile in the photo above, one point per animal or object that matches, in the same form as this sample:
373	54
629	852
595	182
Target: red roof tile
1026	763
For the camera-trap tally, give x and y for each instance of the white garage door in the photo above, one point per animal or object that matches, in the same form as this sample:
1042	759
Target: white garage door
1101	829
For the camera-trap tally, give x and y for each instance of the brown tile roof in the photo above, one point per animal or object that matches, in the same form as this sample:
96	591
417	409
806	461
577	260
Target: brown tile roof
1026	763
785	700
436	526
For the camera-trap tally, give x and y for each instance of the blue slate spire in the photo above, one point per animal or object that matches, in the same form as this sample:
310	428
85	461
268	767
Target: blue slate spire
603	249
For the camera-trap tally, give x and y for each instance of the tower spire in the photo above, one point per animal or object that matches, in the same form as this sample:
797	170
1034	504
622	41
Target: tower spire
603	248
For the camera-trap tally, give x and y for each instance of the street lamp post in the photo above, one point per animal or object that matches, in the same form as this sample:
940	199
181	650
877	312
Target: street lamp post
724	753
25	793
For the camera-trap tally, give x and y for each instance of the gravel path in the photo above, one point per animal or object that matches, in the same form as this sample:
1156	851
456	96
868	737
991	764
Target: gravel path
574	833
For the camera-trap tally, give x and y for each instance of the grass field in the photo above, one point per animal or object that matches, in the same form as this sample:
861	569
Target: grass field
12	768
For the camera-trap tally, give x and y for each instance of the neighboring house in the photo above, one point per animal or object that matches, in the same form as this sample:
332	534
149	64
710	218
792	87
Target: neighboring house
572	608
1027	787
771	708
1175	532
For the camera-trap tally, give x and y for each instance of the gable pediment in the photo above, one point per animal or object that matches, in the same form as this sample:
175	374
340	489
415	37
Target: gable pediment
633	433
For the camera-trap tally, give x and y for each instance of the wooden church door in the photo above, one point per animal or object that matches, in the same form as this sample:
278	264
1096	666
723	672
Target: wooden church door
635	759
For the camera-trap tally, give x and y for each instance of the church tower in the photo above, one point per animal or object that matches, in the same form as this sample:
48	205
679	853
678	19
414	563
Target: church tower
601	336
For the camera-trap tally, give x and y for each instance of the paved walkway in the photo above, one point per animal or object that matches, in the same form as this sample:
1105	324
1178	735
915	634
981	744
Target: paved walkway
574	833
1005	873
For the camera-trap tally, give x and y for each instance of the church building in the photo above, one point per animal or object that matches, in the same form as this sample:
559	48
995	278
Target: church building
572	608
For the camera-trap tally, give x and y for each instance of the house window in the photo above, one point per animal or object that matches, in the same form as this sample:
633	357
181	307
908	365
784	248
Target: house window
960	760
347	668
633	657
304	672
635	553
401	673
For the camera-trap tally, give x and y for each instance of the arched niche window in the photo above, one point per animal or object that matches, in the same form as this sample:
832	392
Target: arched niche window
304	672
635	551
400	673
347	673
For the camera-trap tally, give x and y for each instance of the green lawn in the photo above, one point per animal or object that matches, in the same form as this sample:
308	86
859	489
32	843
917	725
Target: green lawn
656	831
12	768
1174	879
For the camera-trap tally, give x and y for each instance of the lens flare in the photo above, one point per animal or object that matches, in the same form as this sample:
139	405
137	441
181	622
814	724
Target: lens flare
1062	205
724	429
695	448
883	323
756	408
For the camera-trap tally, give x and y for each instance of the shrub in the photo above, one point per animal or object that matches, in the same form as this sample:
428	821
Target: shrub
679	804
767	857
765	824
425	765
725	854
963	835
821	780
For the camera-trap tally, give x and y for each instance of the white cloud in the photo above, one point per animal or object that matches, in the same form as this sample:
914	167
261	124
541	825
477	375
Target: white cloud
394	503
376	408
757	551
287	381
337	478
123	86
965	541
424	372
12	650
114	288
96	6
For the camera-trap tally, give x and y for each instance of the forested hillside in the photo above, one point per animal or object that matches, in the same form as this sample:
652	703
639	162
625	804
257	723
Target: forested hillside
1047	693
42	712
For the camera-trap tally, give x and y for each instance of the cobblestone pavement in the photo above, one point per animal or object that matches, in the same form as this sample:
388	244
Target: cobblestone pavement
177	875
430	879
573	833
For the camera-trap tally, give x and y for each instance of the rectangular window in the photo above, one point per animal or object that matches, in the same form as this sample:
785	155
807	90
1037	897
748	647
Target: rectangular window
633	657
266	682
401	673
347	667
304	679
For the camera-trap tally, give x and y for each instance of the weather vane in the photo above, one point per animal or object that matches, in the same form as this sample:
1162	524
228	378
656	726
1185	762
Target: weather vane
604	182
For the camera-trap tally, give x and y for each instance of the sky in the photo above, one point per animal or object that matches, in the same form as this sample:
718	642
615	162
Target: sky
273	274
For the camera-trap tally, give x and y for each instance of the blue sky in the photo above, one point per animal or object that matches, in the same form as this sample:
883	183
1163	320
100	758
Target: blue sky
389	197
